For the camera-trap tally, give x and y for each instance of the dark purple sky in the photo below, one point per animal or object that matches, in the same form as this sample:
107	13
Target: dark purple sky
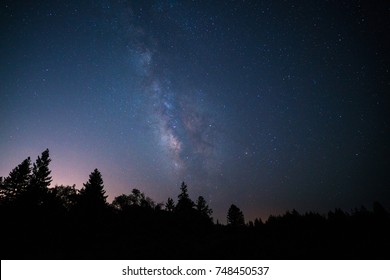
271	105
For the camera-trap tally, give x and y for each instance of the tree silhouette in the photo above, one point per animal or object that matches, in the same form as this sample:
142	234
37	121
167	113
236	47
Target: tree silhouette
121	202
92	195
184	203
39	222
235	217
65	196
170	205
203	208
40	179
17	182
138	198
135	199
147	202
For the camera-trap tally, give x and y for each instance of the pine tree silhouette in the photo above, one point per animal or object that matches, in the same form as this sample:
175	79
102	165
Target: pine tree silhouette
40	179
235	217
39	222
203	208
16	183
184	203
92	195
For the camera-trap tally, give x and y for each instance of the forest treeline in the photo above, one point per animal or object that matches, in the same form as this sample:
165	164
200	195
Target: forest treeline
62	222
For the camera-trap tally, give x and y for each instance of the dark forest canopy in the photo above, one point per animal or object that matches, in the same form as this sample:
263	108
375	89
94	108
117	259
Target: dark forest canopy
40	221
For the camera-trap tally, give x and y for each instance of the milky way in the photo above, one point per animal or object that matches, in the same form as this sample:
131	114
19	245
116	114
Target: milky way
182	123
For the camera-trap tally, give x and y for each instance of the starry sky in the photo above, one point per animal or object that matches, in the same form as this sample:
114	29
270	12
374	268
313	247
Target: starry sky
270	105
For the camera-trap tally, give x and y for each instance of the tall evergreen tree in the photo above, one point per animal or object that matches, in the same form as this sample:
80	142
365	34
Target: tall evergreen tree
41	172
92	195
17	182
40	179
184	203
203	208
235	216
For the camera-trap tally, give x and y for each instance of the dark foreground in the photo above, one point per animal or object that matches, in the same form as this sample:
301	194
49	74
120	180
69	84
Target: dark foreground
149	234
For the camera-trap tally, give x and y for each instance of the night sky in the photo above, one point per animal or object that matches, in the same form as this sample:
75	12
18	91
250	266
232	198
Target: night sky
270	105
